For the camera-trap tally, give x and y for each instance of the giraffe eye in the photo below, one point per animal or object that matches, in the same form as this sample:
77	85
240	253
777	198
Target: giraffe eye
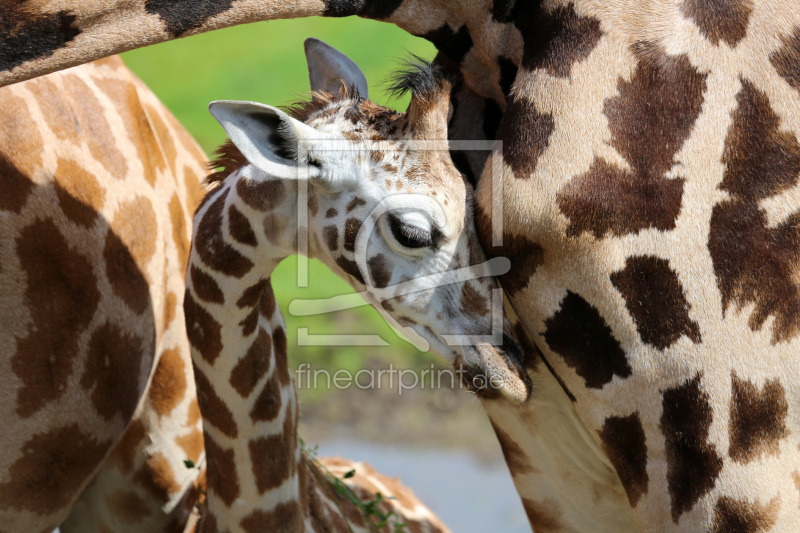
410	236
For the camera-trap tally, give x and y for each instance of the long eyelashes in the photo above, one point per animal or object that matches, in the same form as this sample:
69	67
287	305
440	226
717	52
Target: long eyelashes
410	236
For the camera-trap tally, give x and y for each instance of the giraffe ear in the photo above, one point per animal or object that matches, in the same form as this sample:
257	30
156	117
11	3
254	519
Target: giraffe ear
270	139
328	68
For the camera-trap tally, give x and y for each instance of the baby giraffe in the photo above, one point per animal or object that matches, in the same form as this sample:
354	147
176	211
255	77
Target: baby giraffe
374	195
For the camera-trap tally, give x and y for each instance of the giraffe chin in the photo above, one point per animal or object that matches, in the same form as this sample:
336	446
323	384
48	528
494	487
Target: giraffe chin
496	374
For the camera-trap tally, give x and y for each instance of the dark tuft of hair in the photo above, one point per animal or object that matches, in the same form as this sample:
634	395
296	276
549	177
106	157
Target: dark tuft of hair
227	160
419	77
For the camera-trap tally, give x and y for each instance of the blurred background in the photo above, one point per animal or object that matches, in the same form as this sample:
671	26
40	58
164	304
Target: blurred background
437	440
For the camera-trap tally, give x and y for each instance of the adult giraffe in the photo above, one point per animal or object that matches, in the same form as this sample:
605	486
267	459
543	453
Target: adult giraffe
100	182
650	170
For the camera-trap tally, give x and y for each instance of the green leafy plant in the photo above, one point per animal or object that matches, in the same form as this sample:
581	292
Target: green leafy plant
374	517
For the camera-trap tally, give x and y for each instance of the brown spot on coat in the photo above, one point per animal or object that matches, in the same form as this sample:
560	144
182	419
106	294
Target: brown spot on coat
126	279
62	297
544	517
16	186
758	419
330	234
350	267
253	366
563	39
525	255
165	137
21	150
79	194
179	232
355	202
313	204
221	471
214	410
204	333
211	246
51	469
623	441
761	160
274	227
240	227
261	195
170	306
649	121
579	334
693	463
517	460
136	125
192	444
379	271
721	20
127	507
283	517
656	301
756	264
126	450
737	516
193	416
268	403
169	382
251	295
786	60
331	212
249	323
351	227
130	245
281	360
273	457
267	304
112	371
94	129
525	133
205	286
472	302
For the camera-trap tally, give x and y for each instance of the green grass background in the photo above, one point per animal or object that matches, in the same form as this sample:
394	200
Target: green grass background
264	62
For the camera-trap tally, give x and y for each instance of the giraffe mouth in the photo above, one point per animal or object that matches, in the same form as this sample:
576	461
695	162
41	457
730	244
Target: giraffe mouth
496	373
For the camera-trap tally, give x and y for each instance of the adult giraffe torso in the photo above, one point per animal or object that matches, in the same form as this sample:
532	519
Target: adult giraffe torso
650	186
99	183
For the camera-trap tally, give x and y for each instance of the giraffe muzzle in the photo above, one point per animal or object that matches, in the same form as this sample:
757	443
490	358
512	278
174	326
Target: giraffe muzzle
496	372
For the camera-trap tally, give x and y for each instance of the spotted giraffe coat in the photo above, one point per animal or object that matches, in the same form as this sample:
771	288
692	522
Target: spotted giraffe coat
650	186
100	182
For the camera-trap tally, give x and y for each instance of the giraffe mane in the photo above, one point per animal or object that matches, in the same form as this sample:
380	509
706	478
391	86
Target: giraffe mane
423	79
227	160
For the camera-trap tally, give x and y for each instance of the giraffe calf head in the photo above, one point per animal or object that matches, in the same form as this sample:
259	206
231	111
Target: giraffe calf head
387	210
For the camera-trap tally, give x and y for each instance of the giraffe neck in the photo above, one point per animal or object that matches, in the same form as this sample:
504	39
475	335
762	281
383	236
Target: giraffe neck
245	391
565	481
37	40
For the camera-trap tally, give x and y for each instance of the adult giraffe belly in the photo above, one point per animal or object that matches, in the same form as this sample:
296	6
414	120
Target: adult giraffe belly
651	211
